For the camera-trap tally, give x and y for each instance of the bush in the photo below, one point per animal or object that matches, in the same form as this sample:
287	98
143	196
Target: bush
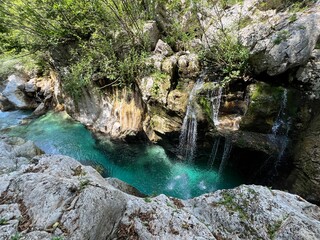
228	58
23	62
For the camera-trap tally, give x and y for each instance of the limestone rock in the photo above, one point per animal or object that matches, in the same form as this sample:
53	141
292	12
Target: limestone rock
264	106
14	93
277	41
124	187
169	66
119	113
152	33
188	65
163	48
30	87
281	43
309	74
15	152
155	88
253	212
40	110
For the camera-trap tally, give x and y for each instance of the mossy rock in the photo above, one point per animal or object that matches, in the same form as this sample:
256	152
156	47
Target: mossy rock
265	103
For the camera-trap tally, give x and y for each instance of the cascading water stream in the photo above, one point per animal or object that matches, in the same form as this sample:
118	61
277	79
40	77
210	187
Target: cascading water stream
188	136
215	104
214	151
280	129
225	156
281	126
280	120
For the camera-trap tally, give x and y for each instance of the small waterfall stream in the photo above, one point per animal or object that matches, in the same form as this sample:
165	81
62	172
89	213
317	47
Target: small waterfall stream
280	121
280	130
281	127
188	136
225	157
215	100
214	151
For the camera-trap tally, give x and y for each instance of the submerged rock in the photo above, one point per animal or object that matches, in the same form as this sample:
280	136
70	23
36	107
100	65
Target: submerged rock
56	196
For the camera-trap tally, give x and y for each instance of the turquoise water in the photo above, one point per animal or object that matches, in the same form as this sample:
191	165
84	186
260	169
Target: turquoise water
146	167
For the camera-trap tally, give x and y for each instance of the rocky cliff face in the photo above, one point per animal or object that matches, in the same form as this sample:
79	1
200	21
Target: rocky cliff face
304	180
55	196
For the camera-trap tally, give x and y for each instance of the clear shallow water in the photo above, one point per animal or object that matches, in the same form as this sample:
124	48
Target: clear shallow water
9	119
146	167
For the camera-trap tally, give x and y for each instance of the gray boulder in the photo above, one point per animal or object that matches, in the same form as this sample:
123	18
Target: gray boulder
283	42
14	94
152	33
309	74
16	152
163	48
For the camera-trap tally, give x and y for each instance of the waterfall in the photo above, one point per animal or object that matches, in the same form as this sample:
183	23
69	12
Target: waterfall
280	120
281	128
188	135
225	156
214	151
215	104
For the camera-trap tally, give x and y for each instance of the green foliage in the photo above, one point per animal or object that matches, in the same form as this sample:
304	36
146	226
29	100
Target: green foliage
228	3
293	18
113	67
57	238
282	36
228	57
229	202
16	236
3	221
272	229
293	5
23	62
147	199
84	183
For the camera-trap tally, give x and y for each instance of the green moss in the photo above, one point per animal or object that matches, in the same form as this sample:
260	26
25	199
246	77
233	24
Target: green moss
266	92
245	21
205	105
16	236
293	18
272	229
3	221
292	5
147	199
281	37
231	205
229	3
